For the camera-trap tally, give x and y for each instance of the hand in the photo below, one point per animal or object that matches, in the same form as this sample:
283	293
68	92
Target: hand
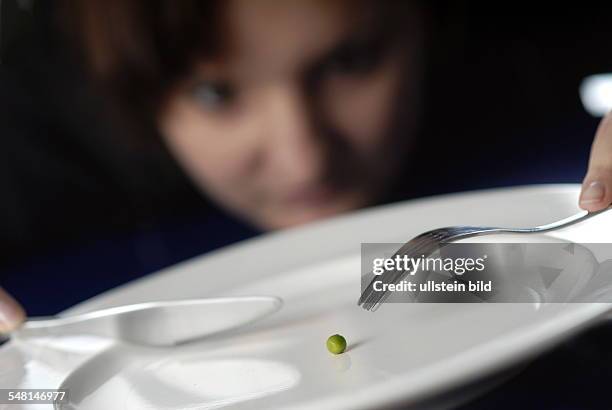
597	186
11	313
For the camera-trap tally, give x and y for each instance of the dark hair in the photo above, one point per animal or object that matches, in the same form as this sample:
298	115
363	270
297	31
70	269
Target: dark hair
135	49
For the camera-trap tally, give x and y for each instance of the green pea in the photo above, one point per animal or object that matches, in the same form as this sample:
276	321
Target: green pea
336	344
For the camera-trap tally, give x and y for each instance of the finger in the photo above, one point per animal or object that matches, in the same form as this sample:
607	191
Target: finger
11	313
596	191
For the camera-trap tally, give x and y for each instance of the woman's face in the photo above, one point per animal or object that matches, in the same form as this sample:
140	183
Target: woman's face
292	123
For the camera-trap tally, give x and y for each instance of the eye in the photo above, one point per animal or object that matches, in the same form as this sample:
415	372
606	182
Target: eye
213	95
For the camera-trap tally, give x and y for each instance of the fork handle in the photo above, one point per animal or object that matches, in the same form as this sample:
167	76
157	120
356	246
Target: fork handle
579	217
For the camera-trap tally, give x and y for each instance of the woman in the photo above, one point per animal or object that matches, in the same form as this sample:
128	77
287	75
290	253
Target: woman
282	112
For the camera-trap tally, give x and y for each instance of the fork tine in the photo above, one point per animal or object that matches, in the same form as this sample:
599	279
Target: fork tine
425	243
414	243
377	297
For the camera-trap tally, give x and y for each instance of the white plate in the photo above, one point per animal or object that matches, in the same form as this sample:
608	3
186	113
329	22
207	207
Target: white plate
403	353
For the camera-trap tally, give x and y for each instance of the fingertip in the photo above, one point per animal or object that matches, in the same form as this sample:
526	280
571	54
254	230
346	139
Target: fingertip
591	207
594	196
11	313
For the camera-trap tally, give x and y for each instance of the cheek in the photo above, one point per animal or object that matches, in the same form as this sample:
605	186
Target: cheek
361	109
214	150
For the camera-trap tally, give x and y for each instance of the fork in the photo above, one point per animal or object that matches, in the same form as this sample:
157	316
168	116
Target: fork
429	242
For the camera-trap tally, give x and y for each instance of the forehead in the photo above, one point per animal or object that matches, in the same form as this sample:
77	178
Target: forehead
270	35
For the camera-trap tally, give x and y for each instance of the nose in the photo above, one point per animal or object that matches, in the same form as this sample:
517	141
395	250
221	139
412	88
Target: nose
296	152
